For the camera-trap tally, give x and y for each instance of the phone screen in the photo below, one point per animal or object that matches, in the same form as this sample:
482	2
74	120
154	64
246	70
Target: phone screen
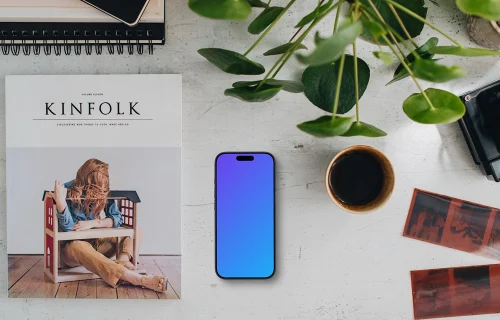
244	215
128	11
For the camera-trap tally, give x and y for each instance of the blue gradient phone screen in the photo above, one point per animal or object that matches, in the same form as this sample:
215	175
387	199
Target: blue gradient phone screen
245	216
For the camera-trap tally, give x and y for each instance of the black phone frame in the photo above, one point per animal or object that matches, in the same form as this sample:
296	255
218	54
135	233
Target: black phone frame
274	215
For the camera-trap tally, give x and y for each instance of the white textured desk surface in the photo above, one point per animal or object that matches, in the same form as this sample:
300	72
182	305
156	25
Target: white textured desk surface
331	265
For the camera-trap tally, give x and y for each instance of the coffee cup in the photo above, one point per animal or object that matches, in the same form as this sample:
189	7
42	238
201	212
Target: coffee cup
360	179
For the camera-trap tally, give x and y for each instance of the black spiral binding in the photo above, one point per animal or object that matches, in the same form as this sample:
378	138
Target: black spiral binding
71	38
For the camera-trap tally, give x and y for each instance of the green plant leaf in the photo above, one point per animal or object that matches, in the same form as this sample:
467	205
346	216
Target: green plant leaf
365	130
402	74
250	94
318	39
288	85
486	9
326	127
446	108
264	19
413	26
330	49
429	70
386	58
422	51
320	83
283	48
222	9
231	62
463	51
374	28
311	16
258	4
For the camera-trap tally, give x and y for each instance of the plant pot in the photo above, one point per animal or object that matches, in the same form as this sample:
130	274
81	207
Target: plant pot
484	32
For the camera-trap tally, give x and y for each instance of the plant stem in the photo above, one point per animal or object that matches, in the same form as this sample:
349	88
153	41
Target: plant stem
405	65
355	15
295	34
287	55
337	16
282	64
300	29
372	34
270	27
402	25
388	30
356	82
416	16
339	84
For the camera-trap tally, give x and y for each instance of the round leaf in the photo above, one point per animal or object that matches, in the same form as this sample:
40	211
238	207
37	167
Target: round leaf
486	9
283	48
330	49
446	107
413	26
320	84
222	9
386	58
311	16
250	94
288	85
264	19
464	52
431	71
258	4
365	130
326	126
231	62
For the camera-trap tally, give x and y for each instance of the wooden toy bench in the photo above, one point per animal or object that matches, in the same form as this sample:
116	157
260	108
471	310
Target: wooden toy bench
127	204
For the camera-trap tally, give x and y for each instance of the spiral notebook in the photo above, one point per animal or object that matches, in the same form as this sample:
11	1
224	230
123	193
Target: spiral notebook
71	26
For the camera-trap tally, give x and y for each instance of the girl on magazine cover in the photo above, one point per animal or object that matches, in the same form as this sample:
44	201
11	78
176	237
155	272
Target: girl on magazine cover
82	204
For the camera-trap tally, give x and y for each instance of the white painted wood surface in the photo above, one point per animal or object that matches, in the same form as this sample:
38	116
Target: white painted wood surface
331	264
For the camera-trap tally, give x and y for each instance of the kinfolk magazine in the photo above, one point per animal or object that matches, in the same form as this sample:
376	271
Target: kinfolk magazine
94	186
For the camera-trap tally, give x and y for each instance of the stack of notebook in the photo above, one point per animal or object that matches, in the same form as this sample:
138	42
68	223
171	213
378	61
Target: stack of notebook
70	25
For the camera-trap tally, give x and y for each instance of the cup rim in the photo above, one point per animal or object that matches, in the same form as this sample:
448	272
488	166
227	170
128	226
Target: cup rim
342	205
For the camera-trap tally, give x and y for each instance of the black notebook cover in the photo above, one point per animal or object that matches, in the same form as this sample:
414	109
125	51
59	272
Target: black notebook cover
68	24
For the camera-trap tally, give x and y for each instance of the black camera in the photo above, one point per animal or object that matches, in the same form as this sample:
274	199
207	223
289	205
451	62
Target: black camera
481	127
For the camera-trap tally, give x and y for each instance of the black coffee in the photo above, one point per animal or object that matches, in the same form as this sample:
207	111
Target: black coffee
356	178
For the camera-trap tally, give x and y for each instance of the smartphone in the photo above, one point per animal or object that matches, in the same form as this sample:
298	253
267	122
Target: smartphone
245	215
126	11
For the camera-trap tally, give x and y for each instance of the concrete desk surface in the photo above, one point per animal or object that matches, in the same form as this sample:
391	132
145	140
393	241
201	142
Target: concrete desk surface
330	264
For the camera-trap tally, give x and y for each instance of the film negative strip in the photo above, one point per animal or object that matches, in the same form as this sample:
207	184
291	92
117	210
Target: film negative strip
454	292
454	223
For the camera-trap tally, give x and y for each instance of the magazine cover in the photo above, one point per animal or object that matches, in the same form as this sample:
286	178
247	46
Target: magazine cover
94	186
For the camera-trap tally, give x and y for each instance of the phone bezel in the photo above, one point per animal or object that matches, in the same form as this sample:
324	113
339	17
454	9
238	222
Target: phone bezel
274	215
131	24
